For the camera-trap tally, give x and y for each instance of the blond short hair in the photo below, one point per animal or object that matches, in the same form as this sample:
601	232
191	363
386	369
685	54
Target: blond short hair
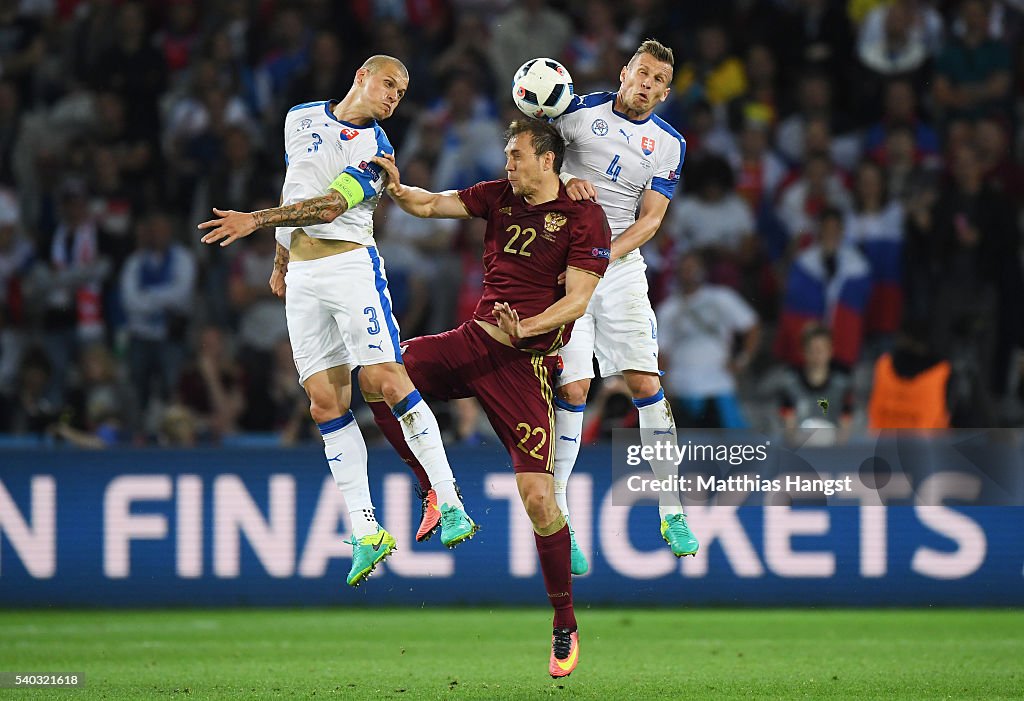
656	50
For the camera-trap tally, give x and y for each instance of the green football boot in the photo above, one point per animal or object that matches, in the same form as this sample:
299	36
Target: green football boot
677	534
367	552
579	564
456	526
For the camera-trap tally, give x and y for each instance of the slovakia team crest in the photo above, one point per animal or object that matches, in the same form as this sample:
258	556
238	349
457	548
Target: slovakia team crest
349	134
647	145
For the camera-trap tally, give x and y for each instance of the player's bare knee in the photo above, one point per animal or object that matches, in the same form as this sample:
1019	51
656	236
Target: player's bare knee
387	380
540	506
575	392
642	385
324	404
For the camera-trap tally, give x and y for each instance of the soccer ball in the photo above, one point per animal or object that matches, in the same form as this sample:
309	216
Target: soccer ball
542	88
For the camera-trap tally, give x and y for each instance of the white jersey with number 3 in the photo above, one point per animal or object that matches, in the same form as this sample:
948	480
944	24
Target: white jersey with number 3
318	148
621	157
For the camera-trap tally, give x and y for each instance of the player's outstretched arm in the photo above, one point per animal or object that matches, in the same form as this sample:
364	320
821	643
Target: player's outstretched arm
653	206
417	201
579	287
231	225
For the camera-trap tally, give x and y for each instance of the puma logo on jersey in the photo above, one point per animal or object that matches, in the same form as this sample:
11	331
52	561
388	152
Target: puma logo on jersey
623	132
379	346
505	210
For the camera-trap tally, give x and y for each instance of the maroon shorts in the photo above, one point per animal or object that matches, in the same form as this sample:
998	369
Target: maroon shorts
514	387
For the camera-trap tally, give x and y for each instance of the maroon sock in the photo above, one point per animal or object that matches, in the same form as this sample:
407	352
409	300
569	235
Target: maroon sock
392	430
554	563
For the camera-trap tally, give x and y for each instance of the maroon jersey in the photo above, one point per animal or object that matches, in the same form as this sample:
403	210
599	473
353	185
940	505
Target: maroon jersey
527	247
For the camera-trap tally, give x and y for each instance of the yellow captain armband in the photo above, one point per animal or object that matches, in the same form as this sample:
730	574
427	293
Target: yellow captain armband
349	188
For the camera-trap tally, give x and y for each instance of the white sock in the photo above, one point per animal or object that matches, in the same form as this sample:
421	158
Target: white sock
423	436
658	426
346	456
568	434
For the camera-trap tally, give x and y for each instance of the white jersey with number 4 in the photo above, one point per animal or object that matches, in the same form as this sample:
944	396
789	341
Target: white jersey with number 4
318	148
621	157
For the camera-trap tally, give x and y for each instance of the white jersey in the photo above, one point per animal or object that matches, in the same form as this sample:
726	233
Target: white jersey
621	157
318	148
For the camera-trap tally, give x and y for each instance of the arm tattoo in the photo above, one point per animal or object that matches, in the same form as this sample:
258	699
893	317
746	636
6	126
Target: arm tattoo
314	211
281	258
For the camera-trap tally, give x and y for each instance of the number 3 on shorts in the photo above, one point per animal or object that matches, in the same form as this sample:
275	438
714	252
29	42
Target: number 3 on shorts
374	327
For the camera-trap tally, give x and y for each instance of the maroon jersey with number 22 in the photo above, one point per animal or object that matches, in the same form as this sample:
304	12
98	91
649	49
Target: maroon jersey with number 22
527	247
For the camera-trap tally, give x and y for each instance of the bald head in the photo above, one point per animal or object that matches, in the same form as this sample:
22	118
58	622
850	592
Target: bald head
377	63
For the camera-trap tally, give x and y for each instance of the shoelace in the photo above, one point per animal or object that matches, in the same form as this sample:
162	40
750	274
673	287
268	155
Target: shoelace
677	524
563	643
450	517
354	542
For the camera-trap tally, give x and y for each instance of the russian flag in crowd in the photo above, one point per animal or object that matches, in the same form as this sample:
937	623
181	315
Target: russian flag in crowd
838	302
880	238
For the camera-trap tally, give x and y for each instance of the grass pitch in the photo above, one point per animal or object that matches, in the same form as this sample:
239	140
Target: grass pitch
485	654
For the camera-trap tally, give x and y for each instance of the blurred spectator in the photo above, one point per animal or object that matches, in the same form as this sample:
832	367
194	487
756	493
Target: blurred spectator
470	49
910	387
843	151
999	170
326	75
211	387
761	103
900	111
829	284
518	32
757	169
697	332
715	221
875	226
907	176
820	38
466	134
16	258
973	73
21	45
714	75
260	314
706	135
133	69
10	129
816	401
898	39
68	286
814	100
289	54
274	400
27	409
131	142
802	202
100	407
177	428
178	38
964	260
587	46
157	288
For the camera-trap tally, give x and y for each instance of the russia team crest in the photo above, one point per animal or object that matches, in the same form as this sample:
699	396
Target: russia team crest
647	145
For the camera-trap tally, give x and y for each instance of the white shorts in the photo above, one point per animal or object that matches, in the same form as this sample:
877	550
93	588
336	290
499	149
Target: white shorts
339	312
619	327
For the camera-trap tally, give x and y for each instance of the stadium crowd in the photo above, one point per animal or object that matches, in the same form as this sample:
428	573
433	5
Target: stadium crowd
848	226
